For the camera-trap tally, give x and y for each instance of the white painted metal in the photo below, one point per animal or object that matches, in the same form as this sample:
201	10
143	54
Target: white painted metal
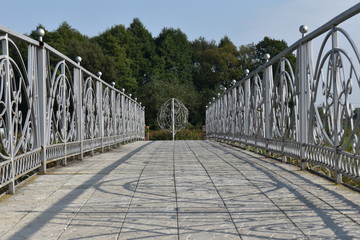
280	113
173	116
51	108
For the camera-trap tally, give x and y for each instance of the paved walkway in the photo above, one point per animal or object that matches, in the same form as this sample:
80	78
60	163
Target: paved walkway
180	190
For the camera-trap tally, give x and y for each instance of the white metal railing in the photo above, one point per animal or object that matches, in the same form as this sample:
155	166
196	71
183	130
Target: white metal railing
51	108
304	112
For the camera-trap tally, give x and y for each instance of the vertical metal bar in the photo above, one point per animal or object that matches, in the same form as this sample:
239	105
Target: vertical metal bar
247	91
100	110
234	104
129	120
122	106
113	114
63	118
337	120
79	106
268	79
8	90
172	119
303	101
42	102
282	101
268	89
143	122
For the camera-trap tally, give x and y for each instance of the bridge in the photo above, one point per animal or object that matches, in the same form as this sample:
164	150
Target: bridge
247	181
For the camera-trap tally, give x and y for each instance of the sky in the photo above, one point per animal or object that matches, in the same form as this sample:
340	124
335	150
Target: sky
243	21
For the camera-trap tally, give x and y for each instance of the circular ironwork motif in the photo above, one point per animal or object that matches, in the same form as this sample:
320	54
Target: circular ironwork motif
181	114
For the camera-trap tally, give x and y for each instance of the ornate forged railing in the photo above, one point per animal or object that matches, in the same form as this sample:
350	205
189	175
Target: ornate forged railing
51	108
307	111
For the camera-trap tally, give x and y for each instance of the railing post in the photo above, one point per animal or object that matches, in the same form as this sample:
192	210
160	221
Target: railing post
113	113
122	106
234	107
143	122
225	115
282	78
79	106
42	99
304	96
64	117
337	122
172	119
99	105
247	93
5	51
268	82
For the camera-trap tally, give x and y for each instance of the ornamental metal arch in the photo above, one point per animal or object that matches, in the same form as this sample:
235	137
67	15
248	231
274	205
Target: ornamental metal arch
304	113
51	108
172	116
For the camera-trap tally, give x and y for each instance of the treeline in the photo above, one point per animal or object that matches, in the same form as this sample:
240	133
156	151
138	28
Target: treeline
154	69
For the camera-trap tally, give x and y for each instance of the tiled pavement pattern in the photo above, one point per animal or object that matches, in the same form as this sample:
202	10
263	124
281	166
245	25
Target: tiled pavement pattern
180	190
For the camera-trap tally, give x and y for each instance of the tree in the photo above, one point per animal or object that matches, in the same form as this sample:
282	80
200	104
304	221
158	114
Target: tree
141	50
113	42
174	48
247	57
203	62
272	47
214	65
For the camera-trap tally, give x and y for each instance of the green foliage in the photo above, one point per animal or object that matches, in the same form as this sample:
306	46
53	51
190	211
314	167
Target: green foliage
141	50
190	134
247	57
184	134
173	47
272	47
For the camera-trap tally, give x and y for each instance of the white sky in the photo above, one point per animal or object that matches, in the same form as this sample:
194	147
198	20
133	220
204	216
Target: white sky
243	21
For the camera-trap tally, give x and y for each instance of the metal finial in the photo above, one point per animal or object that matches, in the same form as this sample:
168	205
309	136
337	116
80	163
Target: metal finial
123	89
219	94
135	99
99	74
113	84
78	59
140	103
213	98
267	57
303	29
247	71
130	95
209	103
40	32
233	82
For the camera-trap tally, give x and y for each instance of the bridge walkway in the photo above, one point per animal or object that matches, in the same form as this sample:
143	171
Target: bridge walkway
180	190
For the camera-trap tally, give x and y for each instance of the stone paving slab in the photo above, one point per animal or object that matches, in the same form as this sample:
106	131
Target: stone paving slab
180	190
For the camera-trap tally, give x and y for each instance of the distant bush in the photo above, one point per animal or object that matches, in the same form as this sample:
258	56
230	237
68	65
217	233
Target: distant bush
184	134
